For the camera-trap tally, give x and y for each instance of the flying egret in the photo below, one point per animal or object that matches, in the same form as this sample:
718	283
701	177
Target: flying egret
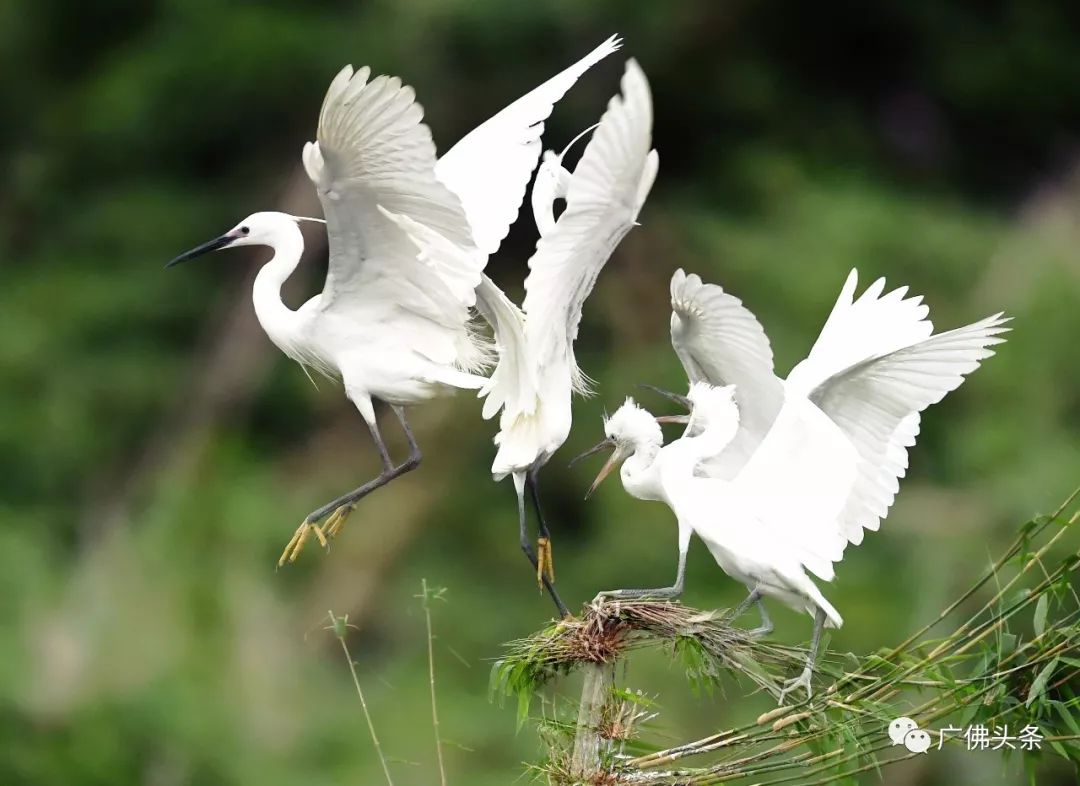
537	373
827	467
394	327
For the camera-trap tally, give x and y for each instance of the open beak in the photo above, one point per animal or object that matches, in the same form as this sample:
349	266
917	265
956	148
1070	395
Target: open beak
604	472
684	419
606	444
683	400
205	248
600	446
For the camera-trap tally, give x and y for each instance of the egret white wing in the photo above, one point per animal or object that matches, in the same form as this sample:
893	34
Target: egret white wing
607	189
798	481
719	341
893	467
490	166
857	329
874	401
860	328
373	152
511	384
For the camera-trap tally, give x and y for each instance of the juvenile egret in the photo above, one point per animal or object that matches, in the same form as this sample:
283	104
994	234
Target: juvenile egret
392	326
827	467
536	372
719	341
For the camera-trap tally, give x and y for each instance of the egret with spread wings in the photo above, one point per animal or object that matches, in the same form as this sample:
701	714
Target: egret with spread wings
537	370
829	463
537	373
720	342
391	325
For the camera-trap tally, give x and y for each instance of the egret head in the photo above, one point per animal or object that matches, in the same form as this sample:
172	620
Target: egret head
714	409
628	430
258	229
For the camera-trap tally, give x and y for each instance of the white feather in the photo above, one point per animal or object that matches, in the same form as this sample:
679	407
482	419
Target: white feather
875	402
830	461
719	341
537	372
490	166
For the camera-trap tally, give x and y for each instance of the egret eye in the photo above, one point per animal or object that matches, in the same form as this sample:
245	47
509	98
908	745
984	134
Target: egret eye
245	231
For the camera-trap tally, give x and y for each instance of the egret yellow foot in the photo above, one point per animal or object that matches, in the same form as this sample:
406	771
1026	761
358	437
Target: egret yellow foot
545	563
299	540
336	521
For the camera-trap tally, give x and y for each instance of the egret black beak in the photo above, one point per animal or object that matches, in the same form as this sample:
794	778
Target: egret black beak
205	248
606	469
599	446
683	400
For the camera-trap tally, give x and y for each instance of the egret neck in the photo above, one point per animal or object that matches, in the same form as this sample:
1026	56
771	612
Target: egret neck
639	471
278	320
681	457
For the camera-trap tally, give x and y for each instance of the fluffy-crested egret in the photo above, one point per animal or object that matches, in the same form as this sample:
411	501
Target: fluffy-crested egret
392	326
771	505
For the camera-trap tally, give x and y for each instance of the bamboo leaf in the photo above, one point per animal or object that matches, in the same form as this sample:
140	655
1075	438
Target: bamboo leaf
1040	614
1067	717
1008	644
1038	687
968	714
1057	746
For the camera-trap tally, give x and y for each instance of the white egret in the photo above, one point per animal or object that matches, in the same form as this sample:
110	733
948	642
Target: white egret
537	372
718	340
394	327
829	464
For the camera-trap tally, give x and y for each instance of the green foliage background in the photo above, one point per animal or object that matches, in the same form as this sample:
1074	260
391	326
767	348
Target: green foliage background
156	452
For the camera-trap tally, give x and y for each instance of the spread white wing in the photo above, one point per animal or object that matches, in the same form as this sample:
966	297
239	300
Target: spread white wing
373	152
857	329
607	189
871	325
536	372
490	166
719	341
874	403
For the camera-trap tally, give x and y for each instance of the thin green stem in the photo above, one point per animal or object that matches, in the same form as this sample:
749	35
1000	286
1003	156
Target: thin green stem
339	625
431	681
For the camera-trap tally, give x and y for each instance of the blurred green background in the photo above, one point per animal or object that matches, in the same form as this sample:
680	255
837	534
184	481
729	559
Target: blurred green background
156	452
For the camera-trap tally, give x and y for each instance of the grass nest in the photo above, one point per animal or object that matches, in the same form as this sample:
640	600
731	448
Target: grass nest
704	642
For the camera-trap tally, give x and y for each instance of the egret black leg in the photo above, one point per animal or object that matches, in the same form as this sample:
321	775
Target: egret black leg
339	509
527	548
803	680
658	593
766	626
755	598
389	473
751	599
545	561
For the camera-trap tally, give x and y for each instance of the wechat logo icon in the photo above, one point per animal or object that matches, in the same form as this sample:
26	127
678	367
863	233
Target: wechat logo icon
906	732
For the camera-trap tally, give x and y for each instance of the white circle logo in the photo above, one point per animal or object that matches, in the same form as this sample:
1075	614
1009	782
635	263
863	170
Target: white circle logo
899	729
917	741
